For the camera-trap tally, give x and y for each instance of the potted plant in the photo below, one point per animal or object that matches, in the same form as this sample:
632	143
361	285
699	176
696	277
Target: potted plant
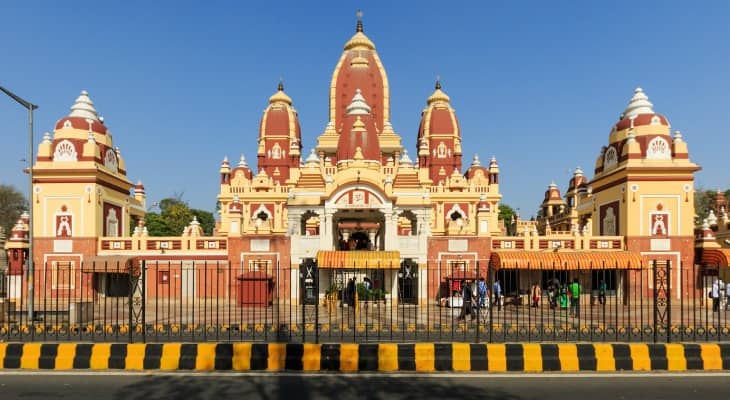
332	296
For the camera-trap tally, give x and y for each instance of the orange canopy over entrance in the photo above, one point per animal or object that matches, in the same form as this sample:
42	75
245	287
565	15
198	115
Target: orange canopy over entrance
566	260
358	259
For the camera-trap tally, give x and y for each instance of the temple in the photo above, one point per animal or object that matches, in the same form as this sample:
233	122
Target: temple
361	204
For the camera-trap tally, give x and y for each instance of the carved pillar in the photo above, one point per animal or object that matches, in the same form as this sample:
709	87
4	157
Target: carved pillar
326	230
423	220
391	229
294	219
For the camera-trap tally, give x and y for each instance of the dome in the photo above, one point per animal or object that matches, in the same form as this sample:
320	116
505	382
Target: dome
280	118
552	193
359	40
578	179
438	117
359	67
438	95
280	96
84	107
83	116
639	112
358	106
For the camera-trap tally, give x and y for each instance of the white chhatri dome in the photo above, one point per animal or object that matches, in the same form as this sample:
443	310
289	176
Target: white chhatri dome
404	159
358	106
312	157
242	162
639	104
84	107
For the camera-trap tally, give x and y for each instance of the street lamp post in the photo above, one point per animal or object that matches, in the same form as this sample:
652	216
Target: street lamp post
31	278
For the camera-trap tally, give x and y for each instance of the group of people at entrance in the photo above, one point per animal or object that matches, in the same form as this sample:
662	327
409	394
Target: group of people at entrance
565	296
475	296
719	290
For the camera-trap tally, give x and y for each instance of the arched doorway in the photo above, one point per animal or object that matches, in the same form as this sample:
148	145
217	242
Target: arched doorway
359	230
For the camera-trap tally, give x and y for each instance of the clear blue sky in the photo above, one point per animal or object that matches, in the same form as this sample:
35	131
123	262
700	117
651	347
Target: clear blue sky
536	84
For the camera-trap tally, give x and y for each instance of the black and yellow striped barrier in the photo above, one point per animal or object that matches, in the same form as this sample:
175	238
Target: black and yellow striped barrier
385	357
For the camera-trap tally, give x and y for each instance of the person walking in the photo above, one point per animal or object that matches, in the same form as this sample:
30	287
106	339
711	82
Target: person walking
715	294
482	292
563	297
602	292
351	292
466	297
497	292
574	289
535	294
552	296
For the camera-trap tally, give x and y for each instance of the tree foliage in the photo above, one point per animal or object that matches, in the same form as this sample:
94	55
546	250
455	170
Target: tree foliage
174	216
12	204
506	212
704	201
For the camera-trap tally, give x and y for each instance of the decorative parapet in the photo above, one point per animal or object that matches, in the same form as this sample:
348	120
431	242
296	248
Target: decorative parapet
213	245
556	242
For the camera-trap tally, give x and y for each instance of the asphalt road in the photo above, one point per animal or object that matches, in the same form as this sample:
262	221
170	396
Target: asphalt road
363	386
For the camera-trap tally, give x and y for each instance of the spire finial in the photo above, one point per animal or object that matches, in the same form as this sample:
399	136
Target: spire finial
438	82
359	21
281	84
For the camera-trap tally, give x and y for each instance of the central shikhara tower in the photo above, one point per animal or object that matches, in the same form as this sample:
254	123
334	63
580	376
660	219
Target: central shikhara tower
359	188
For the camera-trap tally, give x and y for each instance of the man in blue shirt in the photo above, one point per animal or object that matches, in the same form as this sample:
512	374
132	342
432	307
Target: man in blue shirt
497	290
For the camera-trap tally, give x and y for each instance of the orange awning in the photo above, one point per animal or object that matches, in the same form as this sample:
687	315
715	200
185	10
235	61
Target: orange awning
566	260
716	257
358	259
110	264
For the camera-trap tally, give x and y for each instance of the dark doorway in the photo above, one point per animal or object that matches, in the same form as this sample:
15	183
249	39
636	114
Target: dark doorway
308	282
510	280
408	282
117	285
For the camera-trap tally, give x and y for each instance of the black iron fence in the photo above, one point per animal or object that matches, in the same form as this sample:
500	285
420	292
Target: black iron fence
216	301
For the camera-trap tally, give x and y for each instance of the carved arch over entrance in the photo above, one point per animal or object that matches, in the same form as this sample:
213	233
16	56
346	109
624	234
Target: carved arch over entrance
358	197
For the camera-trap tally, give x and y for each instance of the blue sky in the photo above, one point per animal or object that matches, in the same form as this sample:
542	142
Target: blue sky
536	84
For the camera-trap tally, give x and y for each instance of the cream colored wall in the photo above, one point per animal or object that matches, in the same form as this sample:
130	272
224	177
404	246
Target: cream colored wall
84	201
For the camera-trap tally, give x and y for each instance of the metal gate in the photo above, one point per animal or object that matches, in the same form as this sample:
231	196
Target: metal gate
662	300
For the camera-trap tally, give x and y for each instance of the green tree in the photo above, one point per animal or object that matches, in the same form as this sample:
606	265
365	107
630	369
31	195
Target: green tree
704	201
206	219
12	204
156	225
174	216
506	213
177	216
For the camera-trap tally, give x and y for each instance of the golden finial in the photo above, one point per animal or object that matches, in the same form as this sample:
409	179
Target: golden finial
359	21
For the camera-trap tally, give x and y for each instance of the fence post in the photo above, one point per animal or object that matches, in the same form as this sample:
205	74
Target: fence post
477	299
669	300
132	290
490	292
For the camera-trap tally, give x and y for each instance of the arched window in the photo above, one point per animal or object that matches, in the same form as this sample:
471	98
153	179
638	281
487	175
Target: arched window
276	151
110	160
65	151
658	149
112	223
610	159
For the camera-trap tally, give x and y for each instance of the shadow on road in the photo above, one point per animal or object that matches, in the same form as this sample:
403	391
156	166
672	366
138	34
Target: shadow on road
302	387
